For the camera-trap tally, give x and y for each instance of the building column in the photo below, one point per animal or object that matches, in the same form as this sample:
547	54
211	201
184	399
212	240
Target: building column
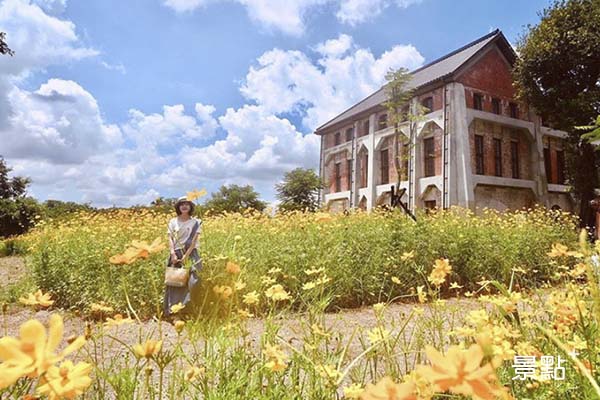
537	159
354	188
371	190
322	172
462	190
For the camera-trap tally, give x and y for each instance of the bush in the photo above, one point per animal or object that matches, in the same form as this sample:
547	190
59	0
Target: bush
350	259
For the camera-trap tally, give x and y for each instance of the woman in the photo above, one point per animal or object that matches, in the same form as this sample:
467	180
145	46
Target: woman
183	233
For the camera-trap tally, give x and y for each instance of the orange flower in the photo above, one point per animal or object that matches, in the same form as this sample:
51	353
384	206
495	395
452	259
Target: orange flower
232	268
441	268
460	372
387	389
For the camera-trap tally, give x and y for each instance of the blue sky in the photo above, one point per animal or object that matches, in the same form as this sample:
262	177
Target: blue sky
118	102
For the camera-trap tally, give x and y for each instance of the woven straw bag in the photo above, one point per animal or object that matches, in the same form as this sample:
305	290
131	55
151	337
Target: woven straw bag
177	277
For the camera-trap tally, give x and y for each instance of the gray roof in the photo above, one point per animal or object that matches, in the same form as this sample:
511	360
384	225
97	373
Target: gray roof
433	71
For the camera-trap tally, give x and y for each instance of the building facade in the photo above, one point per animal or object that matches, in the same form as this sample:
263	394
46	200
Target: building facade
476	146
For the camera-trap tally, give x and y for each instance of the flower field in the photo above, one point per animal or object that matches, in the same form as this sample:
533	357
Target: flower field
501	306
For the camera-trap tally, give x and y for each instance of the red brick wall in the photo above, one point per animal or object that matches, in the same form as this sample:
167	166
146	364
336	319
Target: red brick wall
438	98
342	158
554	144
491	131
437	147
490	76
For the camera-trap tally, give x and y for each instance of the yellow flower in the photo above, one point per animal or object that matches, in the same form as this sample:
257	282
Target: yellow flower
309	285
329	372
193	373
34	352
277	293
148	349
318	330
387	389
314	271
101	308
353	391
37	299
251	298
460	372
244	314
175	308
408	255
377	335
274	271
396	280
277	359
67	381
195	194
267	280
156	246
117	320
237	238
558	250
232	268
129	256
438	275
179	325
227	292
455	285
240	285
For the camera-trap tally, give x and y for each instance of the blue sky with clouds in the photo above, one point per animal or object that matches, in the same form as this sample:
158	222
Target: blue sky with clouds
119	102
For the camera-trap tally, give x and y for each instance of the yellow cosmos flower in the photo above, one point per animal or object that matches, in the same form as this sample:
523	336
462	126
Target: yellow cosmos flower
232	268
558	250
396	280
244	314
148	349
38	299
101	308
277	293
194	373
309	286
387	389
455	285
408	255
67	381
440	270
34	351
378	334
277	359
329	372
421	294
117	320
251	298
378	307
195	194
240	285
154	247
175	308
460	372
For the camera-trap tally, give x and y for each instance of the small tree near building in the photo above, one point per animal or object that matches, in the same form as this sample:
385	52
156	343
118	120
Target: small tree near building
299	190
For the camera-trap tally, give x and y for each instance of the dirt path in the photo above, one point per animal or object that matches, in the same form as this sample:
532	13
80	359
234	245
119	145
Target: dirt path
11	270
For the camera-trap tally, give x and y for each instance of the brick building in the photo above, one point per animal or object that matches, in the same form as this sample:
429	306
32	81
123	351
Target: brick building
476	146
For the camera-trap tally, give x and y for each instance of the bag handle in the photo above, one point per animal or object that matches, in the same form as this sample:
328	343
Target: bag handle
188	242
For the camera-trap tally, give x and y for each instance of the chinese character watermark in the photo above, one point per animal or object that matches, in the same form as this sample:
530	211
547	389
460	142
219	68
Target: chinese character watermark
527	367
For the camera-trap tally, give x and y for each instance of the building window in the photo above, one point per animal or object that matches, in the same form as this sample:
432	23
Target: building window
496	106
514	110
349	132
364	165
430	204
366	127
404	158
498	157
479	155
382	121
428	104
349	174
477	101
429	156
560	161
548	165
337	139
514	159
338	177
385	167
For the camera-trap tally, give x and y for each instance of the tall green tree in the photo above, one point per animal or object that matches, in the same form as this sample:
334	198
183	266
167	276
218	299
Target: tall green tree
299	190
4	49
558	73
17	211
235	198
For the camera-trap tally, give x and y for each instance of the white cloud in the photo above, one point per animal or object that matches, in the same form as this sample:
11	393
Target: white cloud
38	39
60	122
289	16
288	81
114	67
